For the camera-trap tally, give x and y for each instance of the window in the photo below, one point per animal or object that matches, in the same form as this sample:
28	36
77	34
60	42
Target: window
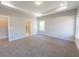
41	25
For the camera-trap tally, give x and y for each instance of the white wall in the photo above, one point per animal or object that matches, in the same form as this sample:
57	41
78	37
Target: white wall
17	28
34	27
77	29
17	24
60	25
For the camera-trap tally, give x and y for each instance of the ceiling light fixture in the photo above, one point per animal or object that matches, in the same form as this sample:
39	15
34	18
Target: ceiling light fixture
38	14
38	2
61	4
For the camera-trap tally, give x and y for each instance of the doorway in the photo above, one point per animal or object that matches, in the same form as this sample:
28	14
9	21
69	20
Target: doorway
3	29
28	26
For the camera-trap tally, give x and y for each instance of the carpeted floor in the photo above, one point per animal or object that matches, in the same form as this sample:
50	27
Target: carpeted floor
38	46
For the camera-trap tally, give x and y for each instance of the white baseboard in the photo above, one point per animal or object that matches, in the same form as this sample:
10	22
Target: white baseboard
69	39
3	37
22	37
74	39
17	38
77	43
27	35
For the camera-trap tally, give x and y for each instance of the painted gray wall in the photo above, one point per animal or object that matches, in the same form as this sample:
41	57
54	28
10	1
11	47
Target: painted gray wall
61	25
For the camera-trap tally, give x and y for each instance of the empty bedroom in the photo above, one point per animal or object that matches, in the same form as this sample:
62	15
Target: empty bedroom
39	28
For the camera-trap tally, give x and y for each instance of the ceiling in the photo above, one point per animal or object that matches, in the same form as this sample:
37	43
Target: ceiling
46	8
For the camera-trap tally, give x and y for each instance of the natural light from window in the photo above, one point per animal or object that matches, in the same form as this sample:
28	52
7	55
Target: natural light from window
41	25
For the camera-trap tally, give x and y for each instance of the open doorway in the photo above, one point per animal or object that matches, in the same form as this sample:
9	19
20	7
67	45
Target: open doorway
3	29
28	26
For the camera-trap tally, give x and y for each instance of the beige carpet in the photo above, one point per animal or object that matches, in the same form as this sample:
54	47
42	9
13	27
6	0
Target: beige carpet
39	46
